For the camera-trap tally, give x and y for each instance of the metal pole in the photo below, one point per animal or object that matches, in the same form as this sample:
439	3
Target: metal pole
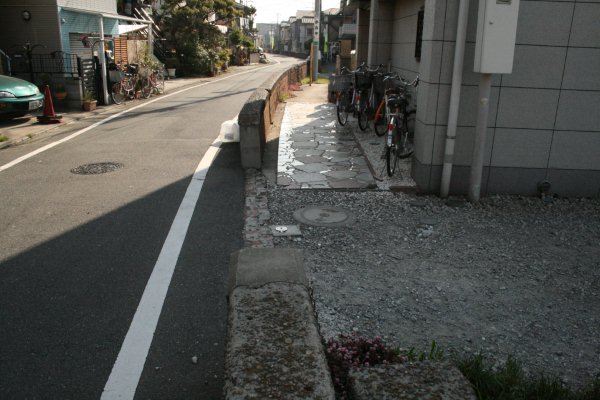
102	60
459	55
314	61
485	88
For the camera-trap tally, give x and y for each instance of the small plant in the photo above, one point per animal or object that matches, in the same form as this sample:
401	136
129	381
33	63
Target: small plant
88	96
172	63
435	353
319	81
353	351
3	138
282	97
138	85
509	382
59	88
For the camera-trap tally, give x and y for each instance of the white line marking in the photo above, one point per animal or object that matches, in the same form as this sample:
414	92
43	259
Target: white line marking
82	131
123	380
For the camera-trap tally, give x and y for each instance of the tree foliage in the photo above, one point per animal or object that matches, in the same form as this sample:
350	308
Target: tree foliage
191	26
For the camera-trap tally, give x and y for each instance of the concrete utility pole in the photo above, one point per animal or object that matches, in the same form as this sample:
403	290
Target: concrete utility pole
315	46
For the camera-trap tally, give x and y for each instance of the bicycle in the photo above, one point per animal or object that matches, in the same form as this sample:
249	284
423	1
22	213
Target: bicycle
125	87
398	144
154	83
362	83
344	90
380	122
367	94
350	94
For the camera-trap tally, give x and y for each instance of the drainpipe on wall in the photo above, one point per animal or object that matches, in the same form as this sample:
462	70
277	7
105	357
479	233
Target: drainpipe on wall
102	60
459	55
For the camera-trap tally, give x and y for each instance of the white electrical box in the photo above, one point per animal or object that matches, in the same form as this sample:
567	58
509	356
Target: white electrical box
496	36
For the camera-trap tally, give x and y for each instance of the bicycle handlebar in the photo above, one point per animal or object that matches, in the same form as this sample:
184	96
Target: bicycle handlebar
405	83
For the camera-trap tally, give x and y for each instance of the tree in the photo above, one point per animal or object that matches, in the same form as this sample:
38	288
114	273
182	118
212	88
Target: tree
190	25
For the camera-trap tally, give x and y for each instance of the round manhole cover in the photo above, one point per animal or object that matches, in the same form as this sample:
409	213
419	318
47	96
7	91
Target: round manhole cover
324	216
96	168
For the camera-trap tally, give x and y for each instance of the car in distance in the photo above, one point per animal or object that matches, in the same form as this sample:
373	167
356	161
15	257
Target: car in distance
18	97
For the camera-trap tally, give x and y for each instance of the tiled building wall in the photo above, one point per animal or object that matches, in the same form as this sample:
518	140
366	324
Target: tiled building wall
362	35
380	33
544	120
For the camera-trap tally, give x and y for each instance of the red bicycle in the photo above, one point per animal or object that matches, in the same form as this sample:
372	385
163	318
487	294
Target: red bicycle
154	83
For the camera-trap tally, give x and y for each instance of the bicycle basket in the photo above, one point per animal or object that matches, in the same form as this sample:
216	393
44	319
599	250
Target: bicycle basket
116	76
362	80
341	82
132	68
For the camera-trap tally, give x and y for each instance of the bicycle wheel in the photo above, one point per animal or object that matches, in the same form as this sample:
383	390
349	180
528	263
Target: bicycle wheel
342	108
146	87
404	147
391	149
117	93
411	120
363	119
160	82
380	120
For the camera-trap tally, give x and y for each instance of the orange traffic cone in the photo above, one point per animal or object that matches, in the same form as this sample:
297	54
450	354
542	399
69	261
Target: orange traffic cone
49	116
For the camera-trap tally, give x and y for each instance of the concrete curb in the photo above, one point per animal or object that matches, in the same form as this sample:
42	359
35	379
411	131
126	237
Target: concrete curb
274	349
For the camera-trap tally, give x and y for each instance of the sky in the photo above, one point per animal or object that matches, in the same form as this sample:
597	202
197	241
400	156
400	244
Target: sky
271	11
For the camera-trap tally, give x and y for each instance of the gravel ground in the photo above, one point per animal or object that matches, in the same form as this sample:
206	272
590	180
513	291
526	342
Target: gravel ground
510	276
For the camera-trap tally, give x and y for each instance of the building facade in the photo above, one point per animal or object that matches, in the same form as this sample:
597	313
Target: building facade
544	119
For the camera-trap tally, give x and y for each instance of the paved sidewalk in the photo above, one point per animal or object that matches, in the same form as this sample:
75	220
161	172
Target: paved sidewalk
315	152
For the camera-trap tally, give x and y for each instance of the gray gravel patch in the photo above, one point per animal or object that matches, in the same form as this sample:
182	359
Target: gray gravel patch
510	276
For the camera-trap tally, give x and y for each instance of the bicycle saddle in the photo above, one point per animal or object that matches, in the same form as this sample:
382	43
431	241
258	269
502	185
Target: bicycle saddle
397	101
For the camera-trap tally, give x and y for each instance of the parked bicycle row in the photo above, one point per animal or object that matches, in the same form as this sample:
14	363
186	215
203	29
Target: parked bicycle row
382	98
126	80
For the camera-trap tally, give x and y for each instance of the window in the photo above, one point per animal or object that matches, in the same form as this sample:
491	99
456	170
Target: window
419	39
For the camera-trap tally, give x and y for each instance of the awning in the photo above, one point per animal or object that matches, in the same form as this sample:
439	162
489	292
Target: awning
130	28
107	15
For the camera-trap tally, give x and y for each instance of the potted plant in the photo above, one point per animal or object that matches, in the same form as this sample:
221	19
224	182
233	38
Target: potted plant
59	91
89	102
171	64
138	89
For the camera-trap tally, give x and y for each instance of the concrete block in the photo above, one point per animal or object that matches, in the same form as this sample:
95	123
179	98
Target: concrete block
527	71
536	16
411	381
582	70
575	150
586	29
527	108
524	148
256	267
522	181
274	349
578	111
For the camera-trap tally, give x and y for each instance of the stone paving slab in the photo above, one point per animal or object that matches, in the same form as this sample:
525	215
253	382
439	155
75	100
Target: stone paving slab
314	153
310	134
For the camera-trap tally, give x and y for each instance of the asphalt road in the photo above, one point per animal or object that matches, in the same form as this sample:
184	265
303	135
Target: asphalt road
77	251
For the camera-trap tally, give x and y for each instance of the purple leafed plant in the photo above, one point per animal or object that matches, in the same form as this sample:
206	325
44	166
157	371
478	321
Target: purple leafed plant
353	351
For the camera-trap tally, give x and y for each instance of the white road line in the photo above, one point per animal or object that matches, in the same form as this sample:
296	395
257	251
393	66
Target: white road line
127	370
123	380
82	131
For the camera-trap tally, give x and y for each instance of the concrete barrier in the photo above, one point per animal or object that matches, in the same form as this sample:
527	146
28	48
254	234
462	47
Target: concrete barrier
274	350
257	113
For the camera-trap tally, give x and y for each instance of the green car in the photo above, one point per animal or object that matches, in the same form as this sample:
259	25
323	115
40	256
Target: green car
18	97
